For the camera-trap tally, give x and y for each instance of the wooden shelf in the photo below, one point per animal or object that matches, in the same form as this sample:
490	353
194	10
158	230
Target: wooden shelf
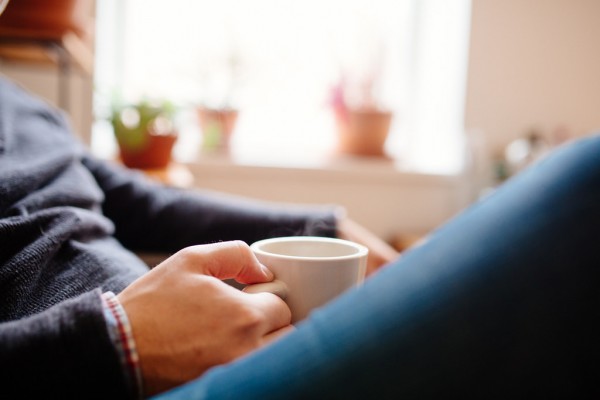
69	49
52	33
59	32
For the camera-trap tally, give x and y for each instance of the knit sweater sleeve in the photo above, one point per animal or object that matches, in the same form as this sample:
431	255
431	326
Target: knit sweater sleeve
153	217
34	351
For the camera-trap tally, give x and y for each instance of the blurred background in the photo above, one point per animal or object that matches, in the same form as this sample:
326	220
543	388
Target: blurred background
404	111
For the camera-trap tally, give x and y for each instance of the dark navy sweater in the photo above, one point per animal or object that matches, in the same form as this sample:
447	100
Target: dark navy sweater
69	224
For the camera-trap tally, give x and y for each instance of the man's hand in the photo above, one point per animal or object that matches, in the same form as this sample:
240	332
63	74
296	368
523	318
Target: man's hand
185	320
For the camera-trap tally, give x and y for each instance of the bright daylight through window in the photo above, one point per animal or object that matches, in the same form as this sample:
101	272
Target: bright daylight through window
285	65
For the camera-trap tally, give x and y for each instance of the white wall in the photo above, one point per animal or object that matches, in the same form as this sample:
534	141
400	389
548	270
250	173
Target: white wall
533	64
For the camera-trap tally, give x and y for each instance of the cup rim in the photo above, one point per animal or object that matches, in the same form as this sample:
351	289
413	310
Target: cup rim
361	250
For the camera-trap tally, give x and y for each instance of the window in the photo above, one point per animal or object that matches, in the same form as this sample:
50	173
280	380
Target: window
277	60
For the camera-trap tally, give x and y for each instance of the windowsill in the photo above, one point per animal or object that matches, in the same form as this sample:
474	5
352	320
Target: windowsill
314	162
359	169
299	153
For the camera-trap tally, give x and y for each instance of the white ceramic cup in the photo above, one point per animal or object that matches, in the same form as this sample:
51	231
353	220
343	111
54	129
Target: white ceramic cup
309	271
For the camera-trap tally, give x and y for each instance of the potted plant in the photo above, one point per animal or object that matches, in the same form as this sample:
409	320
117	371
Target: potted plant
362	126
145	133
217	110
47	19
217	125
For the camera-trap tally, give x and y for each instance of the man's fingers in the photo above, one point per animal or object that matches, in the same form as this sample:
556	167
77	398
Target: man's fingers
228	260
276	313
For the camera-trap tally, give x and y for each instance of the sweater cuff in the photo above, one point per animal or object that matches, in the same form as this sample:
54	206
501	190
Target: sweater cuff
121	335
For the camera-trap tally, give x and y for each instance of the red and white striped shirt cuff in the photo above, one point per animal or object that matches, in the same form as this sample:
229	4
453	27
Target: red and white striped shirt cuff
120	332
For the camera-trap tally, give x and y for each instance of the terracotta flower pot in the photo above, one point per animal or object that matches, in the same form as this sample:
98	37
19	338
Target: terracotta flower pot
49	19
363	132
217	127
155	154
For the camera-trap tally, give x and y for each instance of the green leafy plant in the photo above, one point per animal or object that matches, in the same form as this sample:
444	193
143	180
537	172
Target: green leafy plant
145	133
134	124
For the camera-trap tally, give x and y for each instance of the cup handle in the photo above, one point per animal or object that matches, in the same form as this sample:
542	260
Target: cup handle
276	287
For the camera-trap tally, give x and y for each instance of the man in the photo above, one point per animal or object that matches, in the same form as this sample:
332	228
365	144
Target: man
501	300
66	220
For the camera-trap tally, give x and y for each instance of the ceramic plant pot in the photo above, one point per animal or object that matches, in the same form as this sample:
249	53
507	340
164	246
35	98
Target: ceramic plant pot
49	19
217	127
154	154
363	132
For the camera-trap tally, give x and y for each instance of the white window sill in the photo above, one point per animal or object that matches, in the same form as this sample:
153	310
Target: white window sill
338	166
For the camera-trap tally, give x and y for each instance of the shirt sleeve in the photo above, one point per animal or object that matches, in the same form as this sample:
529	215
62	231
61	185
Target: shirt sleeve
154	217
62	352
119	330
